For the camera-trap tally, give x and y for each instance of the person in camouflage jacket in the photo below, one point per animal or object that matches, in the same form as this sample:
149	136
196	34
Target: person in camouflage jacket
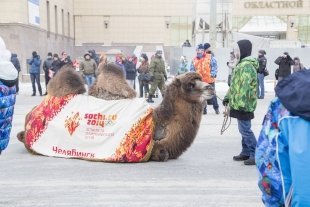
242	99
158	75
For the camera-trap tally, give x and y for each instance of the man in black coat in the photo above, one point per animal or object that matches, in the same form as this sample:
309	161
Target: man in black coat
262	61
285	62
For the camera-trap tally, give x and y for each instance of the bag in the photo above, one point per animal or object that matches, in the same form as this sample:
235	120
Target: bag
51	73
266	72
144	77
276	74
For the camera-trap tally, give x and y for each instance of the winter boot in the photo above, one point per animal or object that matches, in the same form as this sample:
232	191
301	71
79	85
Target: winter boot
241	157
205	110
150	100
250	161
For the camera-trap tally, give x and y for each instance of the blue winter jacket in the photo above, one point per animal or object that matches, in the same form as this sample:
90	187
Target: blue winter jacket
283	148
7	102
34	65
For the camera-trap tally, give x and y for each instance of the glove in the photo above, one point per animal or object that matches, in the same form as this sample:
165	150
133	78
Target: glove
225	102
165	78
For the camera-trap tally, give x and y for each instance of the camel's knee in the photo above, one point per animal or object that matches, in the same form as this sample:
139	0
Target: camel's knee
159	153
21	136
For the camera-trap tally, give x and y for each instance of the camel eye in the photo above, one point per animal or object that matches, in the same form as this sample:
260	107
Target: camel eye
191	85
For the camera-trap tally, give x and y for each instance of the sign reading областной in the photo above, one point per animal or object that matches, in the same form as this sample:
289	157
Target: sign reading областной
273	4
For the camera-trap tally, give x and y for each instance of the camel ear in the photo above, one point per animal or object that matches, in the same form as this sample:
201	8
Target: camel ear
177	82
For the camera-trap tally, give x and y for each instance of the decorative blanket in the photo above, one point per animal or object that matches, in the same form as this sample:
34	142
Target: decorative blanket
85	127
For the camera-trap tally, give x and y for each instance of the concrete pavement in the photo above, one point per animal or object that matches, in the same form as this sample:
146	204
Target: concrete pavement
203	176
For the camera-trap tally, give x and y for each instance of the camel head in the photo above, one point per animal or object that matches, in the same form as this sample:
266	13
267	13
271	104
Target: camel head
193	89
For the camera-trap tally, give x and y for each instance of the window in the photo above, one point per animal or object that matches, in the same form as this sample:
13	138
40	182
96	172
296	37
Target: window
48	20
56	22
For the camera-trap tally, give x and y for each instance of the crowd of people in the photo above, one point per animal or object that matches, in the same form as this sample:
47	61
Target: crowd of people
280	152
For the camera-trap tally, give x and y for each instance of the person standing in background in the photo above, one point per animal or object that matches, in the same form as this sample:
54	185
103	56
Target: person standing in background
35	63
55	65
285	62
119	61
88	67
158	75
183	65
231	65
65	59
297	65
130	69
144	74
262	61
15	62
47	65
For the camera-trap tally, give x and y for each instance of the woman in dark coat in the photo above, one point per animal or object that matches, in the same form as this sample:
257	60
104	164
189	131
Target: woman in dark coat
144	71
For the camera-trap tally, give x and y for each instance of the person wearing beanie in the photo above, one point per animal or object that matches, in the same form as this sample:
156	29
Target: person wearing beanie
283	147
88	67
242	99
158	75
8	80
285	62
231	65
144	75
206	65
47	66
35	63
131	71
65	59
55	67
262	61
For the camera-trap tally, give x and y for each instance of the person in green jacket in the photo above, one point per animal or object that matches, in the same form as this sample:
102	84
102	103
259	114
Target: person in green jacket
242	99
158	75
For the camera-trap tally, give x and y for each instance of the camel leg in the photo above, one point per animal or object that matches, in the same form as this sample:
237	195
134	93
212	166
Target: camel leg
159	153
21	138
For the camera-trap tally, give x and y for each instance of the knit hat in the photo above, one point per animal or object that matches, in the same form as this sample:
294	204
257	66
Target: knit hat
245	47
158	52
200	47
34	54
206	46
262	52
86	55
144	56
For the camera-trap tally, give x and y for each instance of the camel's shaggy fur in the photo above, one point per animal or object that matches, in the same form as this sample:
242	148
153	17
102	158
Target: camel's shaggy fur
66	81
177	118
111	84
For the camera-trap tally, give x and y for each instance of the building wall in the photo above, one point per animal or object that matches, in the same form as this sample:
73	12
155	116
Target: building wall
276	7
22	37
19	9
119	22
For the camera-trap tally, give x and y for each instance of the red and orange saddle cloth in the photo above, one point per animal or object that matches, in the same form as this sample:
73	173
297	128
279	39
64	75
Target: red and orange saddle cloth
81	126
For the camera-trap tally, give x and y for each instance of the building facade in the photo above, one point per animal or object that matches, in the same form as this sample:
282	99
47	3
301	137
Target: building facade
280	20
33	25
75	26
121	22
